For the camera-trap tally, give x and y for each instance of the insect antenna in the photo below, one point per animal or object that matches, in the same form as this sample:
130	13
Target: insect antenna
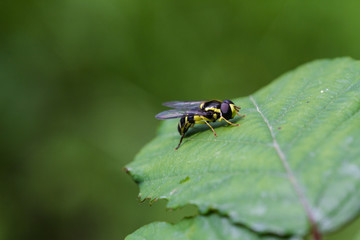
237	111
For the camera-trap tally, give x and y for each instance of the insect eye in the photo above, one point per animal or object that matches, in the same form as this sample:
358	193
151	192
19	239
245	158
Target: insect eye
225	108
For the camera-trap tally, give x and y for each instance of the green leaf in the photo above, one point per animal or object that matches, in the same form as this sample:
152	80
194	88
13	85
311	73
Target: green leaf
210	227
291	167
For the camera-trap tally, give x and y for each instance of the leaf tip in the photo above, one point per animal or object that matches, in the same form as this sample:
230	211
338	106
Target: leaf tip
126	170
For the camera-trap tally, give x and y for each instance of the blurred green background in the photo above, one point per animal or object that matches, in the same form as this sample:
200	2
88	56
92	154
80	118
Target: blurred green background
81	82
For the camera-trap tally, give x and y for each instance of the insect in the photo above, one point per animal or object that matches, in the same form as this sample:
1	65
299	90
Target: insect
203	112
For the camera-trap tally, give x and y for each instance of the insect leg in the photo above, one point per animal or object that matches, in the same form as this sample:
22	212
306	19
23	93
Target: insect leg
182	136
240	115
209	125
237	111
228	121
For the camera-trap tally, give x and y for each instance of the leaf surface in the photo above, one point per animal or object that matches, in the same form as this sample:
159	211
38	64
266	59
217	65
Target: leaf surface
209	227
292	165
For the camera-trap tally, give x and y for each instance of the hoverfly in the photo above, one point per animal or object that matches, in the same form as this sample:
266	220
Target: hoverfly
204	112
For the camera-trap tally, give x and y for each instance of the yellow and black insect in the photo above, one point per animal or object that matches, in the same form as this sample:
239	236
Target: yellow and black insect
194	112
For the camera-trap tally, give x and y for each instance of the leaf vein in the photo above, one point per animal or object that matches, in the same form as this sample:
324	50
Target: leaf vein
303	199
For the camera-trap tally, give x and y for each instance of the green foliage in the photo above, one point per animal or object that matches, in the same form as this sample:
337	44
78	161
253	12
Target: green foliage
209	227
293	165
81	82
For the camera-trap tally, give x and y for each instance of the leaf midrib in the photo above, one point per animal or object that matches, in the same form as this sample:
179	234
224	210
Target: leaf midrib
291	176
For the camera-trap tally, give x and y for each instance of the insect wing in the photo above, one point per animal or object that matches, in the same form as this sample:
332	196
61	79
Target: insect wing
176	113
183	105
173	113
